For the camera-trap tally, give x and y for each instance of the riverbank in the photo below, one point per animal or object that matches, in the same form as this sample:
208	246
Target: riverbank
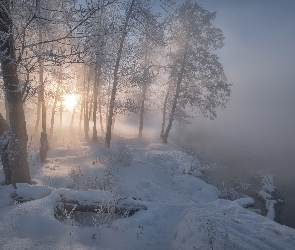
238	162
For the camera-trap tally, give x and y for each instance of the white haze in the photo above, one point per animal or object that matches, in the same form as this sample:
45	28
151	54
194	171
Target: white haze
256	131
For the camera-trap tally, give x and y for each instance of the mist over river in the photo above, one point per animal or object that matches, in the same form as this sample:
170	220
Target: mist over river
256	130
243	158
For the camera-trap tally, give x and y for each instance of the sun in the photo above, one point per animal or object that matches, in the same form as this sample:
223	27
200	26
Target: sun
69	101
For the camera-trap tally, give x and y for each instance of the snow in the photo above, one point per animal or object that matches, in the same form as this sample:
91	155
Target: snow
86	197
183	211
266	193
245	202
267	183
32	192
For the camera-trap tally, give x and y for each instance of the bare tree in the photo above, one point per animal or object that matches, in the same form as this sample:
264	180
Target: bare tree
19	55
56	98
17	148
116	70
136	12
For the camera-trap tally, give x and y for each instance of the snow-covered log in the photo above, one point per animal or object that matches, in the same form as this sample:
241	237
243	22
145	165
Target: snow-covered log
122	207
97	201
82	201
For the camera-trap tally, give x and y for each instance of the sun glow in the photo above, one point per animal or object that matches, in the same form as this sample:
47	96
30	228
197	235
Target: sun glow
69	101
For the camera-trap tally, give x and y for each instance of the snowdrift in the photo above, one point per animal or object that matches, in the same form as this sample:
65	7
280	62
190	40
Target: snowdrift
179	210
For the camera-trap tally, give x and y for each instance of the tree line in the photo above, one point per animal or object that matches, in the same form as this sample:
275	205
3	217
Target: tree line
123	56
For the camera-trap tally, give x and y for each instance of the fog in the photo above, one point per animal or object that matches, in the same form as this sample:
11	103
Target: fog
256	131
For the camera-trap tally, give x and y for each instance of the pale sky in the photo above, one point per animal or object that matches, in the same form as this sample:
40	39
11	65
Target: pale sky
256	131
259	60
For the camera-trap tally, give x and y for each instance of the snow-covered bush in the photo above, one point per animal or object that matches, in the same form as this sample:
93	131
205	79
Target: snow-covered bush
93	182
118	155
231	190
268	194
33	151
75	174
217	236
123	154
194	168
104	180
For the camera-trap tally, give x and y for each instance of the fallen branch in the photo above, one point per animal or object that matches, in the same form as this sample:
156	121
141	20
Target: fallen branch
123	207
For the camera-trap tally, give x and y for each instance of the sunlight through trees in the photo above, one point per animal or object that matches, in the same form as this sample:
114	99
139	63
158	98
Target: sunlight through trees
87	64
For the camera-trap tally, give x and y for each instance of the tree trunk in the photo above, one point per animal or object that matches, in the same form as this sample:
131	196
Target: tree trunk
6	109
17	148
43	139
179	80
39	102
82	101
100	116
4	141
86	119
115	83
144	87
60	114
99	61
90	108
95	96
164	112
81	114
113	122
72	119
99	109
108	101
55	101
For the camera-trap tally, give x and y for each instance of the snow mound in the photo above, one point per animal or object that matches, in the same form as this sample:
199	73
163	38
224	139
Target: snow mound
182	211
29	224
245	202
85	197
27	192
226	225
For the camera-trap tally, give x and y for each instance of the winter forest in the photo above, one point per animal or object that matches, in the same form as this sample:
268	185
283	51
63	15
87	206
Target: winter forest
95	96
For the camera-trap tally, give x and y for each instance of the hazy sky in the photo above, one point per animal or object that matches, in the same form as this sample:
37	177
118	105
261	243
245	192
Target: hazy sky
259	60
256	131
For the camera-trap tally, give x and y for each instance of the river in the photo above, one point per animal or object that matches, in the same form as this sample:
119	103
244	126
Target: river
243	159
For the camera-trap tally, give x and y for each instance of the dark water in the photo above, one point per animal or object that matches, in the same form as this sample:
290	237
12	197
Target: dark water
243	160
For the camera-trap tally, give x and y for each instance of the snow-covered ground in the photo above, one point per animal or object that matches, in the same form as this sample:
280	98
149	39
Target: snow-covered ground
182	211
